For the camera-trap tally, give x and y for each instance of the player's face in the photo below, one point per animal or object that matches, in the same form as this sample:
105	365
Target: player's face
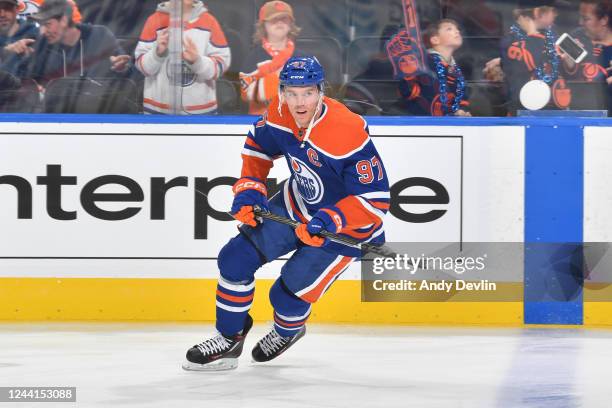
278	28
589	21
449	35
302	103
53	29
8	15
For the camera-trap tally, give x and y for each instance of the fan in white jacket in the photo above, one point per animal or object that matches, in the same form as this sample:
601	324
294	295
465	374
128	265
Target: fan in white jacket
206	56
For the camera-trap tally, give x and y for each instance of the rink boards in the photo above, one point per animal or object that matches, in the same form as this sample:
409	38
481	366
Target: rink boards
124	220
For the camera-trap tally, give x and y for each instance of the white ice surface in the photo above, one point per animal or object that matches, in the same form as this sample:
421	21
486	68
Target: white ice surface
124	365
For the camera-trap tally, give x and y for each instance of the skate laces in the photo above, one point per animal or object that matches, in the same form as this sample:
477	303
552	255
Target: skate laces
218	343
272	342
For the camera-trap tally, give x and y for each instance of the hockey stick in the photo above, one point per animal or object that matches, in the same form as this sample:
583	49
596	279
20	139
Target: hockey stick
364	246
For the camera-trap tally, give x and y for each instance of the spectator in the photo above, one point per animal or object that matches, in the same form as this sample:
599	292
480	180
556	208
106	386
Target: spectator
595	35
275	33
69	49
16	38
544	18
205	57
528	52
27	8
440	91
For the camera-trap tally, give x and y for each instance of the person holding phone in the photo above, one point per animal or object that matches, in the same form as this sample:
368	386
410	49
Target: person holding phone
595	36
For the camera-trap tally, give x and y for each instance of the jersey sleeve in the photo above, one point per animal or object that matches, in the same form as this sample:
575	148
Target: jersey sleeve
367	184
215	57
418	93
259	151
145	54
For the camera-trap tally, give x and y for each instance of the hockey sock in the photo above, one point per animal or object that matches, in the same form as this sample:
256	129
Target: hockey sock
233	303
290	312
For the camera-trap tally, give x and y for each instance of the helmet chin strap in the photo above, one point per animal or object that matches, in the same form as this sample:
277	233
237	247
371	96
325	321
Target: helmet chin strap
280	101
316	112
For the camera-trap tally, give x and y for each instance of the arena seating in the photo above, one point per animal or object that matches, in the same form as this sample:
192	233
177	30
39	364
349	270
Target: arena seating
348	37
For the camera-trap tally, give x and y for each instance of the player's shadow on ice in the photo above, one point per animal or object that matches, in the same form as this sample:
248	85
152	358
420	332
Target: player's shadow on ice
217	385
294	379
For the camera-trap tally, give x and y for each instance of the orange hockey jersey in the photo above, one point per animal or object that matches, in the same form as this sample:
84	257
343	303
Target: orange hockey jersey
337	168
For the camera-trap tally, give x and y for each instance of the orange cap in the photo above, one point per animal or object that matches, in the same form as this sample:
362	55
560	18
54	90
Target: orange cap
273	9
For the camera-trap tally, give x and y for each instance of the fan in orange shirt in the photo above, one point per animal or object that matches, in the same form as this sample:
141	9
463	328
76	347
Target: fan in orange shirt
28	7
275	33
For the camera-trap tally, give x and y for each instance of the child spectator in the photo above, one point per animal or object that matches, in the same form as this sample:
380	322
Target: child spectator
274	37
441	91
528	53
205	57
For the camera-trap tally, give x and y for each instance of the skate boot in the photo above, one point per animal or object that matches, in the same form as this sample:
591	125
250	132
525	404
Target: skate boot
219	352
273	344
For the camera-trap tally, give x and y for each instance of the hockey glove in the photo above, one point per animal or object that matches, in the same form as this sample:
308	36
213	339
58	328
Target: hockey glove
248	191
329	219
313	240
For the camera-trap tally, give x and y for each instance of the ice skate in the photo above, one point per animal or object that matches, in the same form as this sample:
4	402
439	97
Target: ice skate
273	344
217	353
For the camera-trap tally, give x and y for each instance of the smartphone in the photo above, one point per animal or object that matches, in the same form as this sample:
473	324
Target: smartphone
571	47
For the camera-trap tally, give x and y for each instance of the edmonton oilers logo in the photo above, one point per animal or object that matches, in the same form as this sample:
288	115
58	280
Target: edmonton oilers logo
186	75
308	182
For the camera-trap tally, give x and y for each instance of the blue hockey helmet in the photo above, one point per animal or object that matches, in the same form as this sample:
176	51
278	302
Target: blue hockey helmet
302	71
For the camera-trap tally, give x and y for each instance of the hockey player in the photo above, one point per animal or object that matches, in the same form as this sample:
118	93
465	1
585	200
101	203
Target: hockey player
338	183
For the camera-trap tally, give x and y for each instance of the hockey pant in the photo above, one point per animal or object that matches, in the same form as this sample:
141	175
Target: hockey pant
304	278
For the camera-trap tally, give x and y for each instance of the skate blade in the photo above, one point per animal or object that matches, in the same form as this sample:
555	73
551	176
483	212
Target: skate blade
223	364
